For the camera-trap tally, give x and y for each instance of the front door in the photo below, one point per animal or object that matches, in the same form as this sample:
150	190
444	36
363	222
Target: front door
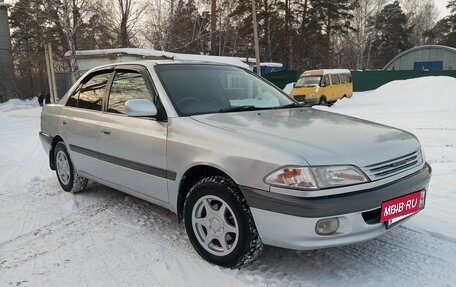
133	149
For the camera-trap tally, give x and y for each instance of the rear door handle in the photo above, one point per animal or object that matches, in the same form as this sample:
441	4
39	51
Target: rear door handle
106	131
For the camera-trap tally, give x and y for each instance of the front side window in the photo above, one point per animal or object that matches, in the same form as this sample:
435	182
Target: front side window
91	92
201	89
127	85
325	81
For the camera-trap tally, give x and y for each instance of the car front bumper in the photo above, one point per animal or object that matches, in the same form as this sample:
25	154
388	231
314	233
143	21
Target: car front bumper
289	222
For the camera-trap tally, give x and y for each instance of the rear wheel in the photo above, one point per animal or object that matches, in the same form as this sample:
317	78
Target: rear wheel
67	175
219	223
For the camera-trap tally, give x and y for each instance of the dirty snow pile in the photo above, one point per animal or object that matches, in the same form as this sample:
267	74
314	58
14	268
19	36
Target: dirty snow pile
102	237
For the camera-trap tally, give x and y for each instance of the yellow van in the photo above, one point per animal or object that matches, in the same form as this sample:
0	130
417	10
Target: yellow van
323	87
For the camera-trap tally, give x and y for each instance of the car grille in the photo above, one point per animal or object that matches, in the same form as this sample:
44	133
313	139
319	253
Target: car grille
394	166
300	98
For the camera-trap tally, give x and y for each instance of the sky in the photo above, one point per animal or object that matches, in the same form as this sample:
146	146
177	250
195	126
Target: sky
441	5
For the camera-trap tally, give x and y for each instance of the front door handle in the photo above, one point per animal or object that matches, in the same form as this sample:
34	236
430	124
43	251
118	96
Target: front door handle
106	131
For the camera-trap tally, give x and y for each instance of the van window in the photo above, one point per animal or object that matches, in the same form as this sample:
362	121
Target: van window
343	78
349	76
325	81
335	79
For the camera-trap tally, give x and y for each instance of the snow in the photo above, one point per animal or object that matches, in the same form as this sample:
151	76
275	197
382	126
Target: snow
272	64
288	88
3	4
102	237
326	72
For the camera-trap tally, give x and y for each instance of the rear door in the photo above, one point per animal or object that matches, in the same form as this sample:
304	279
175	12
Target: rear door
133	149
80	119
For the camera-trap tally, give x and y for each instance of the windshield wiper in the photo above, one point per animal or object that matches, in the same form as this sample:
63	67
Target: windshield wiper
239	109
292	105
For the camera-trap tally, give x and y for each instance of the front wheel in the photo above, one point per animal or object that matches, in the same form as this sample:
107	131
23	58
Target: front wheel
323	102
67	175
219	223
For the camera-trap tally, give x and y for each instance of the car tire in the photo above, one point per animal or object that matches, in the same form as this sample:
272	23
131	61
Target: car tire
323	102
219	223
68	177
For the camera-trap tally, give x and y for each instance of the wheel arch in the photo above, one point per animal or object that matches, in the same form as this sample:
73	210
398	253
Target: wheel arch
54	142
192	176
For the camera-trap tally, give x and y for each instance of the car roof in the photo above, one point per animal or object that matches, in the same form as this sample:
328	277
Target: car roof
150	62
325	72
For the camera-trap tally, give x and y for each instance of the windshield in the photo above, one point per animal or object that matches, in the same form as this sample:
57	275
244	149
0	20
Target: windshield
202	89
308	81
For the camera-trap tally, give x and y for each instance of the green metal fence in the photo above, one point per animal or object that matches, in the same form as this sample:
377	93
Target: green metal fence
362	80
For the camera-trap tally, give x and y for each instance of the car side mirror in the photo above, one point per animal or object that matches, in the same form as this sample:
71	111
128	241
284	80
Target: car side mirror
140	108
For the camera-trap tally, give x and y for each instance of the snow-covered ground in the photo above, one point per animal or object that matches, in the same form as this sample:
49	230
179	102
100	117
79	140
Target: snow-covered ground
102	237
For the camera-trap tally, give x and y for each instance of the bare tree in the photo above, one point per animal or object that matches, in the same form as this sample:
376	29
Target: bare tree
422	16
125	17
69	15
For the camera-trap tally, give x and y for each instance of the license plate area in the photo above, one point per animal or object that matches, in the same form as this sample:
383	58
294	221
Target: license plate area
395	210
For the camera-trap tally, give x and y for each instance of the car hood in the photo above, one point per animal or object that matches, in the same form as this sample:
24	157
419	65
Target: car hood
319	137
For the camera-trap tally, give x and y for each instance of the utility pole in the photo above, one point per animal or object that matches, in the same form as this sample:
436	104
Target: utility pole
255	37
50	73
7	85
287	36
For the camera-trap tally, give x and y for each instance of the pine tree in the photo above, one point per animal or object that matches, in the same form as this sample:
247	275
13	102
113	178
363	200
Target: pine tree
444	32
392	34
189	30
31	30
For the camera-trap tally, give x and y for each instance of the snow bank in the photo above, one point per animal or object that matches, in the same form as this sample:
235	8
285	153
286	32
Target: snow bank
16	104
288	88
420	94
429	101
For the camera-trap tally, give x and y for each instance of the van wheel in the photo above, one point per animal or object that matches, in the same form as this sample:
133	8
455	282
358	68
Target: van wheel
219	223
67	175
323	101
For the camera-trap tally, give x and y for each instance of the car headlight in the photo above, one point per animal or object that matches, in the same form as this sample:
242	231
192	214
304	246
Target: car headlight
313	178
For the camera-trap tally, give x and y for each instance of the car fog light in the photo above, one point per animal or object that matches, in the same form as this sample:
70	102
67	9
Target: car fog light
327	226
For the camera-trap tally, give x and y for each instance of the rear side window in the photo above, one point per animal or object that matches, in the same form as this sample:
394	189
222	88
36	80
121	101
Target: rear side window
335	79
349	77
73	99
343	78
127	85
89	94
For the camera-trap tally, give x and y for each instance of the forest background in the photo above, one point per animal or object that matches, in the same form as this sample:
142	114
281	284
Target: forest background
300	34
